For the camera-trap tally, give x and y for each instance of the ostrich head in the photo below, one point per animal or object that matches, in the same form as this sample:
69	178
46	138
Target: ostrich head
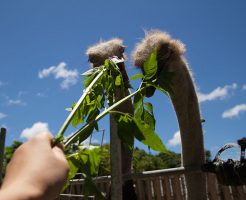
98	53
168	51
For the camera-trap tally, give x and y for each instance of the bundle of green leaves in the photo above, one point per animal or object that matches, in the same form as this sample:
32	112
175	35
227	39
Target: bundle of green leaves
98	100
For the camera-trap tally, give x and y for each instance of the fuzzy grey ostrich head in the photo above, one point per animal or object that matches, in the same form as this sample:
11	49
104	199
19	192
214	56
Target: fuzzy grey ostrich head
101	51
161	41
168	51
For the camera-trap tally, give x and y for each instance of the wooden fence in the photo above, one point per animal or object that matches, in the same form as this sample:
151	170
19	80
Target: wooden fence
160	185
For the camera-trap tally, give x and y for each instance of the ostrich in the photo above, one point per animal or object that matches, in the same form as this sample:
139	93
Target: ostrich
97	55
170	60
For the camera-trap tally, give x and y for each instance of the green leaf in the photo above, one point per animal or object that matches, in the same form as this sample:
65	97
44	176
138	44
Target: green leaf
126	128
148	119
151	65
149	107
139	111
150	139
77	118
137	101
142	130
96	126
106	63
99	89
136	76
99	98
118	80
164	91
73	169
90	188
92	156
92	114
86	132
90	79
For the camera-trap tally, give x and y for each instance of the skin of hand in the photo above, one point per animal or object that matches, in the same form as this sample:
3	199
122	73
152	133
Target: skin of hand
36	171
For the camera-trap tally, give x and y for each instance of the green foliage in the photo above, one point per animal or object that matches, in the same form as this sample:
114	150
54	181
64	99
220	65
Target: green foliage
101	84
104	167
208	155
150	66
85	161
141	125
146	162
137	76
142	161
172	159
90	188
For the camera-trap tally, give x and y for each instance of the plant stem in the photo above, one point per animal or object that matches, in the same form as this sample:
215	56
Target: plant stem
70	116
100	116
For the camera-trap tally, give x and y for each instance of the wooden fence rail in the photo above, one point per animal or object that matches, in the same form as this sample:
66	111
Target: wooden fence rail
160	185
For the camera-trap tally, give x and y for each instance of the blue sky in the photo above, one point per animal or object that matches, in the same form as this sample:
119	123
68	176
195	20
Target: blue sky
54	35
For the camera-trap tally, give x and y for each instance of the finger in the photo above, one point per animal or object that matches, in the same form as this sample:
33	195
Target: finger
61	146
42	138
59	154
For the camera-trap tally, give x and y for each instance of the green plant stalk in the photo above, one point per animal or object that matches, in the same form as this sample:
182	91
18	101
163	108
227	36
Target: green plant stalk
100	116
70	116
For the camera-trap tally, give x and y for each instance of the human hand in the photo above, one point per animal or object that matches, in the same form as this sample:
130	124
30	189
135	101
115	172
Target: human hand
36	171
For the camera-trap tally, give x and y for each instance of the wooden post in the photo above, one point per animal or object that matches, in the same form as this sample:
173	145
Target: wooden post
2	145
121	158
115	162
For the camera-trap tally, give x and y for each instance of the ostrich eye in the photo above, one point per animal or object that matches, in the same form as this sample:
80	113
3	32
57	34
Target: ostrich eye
92	59
122	49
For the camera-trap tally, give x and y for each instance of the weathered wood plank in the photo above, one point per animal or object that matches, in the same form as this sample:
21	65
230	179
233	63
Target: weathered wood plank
140	189
238	193
241	192
176	188
225	192
212	187
148	188
166	187
183	186
157	188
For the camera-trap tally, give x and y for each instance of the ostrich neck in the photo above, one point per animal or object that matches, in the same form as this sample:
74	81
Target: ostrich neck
186	106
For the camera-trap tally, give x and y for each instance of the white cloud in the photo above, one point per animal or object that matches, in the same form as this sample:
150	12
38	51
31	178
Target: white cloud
217	93
2	115
11	102
37	128
70	77
176	139
235	111
244	87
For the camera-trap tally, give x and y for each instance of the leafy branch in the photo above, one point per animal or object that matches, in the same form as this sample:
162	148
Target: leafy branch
101	85
63	128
